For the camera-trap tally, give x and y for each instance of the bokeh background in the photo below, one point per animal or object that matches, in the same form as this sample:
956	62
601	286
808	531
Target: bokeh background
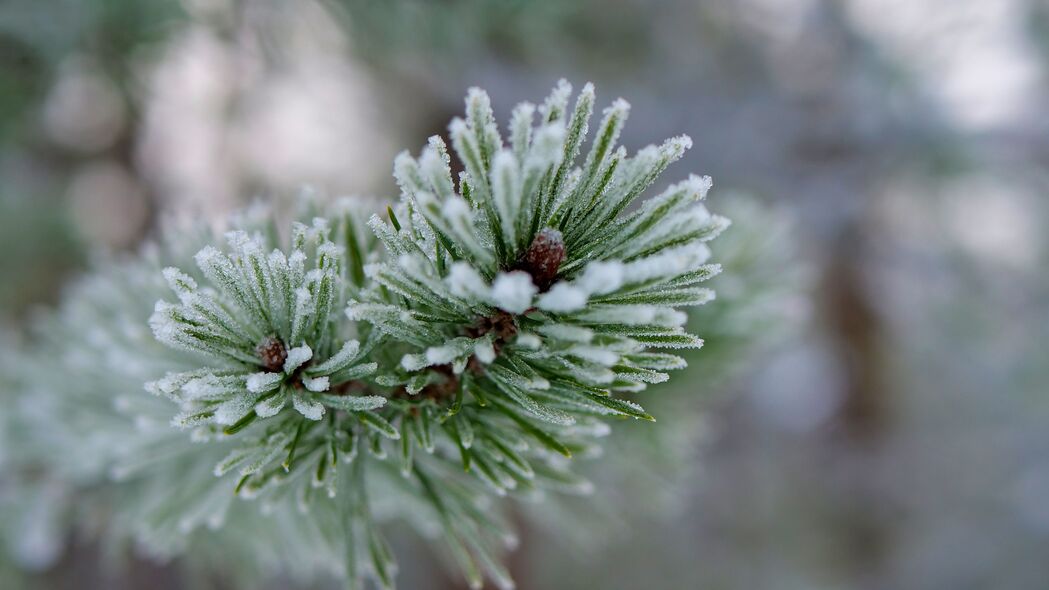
887	159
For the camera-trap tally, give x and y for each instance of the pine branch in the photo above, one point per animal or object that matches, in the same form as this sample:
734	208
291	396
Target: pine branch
468	344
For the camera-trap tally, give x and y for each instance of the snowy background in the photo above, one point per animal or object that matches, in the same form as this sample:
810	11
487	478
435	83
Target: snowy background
895	434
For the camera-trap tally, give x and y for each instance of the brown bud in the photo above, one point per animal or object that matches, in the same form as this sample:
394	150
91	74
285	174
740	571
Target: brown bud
500	324
272	353
544	257
503	326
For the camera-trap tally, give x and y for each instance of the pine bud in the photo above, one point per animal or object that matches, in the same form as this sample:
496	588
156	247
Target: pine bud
544	257
501	325
272	353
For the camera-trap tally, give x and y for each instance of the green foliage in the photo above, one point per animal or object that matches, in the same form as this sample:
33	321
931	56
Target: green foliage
356	371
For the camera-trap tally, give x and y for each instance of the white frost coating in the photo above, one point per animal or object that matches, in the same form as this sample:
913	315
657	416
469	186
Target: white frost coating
316	384
209	257
670	317
278	261
190	419
594	354
153	389
272	405
677	145
435	168
594	374
671	263
460	365
308	408
321	227
465	282
457	127
619	106
440	355
506	193
229	411
262	382
410	263
600	278
700	185
303	307
622	314
163	324
380	227
297	259
558	99
530	341
406	172
562	298
539	383
457	212
240	241
413	362
353	311
567	332
339	360
548	146
454	350
296	357
210	386
329	250
521	128
635	315
181	283
456	207
170	383
484	351
701	215
513	291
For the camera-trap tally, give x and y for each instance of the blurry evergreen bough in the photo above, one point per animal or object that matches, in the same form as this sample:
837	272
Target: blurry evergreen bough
502	319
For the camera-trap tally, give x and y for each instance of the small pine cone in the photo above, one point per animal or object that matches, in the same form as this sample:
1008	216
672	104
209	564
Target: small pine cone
272	353
544	257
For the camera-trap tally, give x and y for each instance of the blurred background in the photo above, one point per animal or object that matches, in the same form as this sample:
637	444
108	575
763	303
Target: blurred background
888	159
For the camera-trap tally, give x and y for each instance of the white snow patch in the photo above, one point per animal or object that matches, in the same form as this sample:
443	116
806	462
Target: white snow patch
601	277
308	408
465	282
513	291
562	298
261	382
484	351
316	384
296	357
